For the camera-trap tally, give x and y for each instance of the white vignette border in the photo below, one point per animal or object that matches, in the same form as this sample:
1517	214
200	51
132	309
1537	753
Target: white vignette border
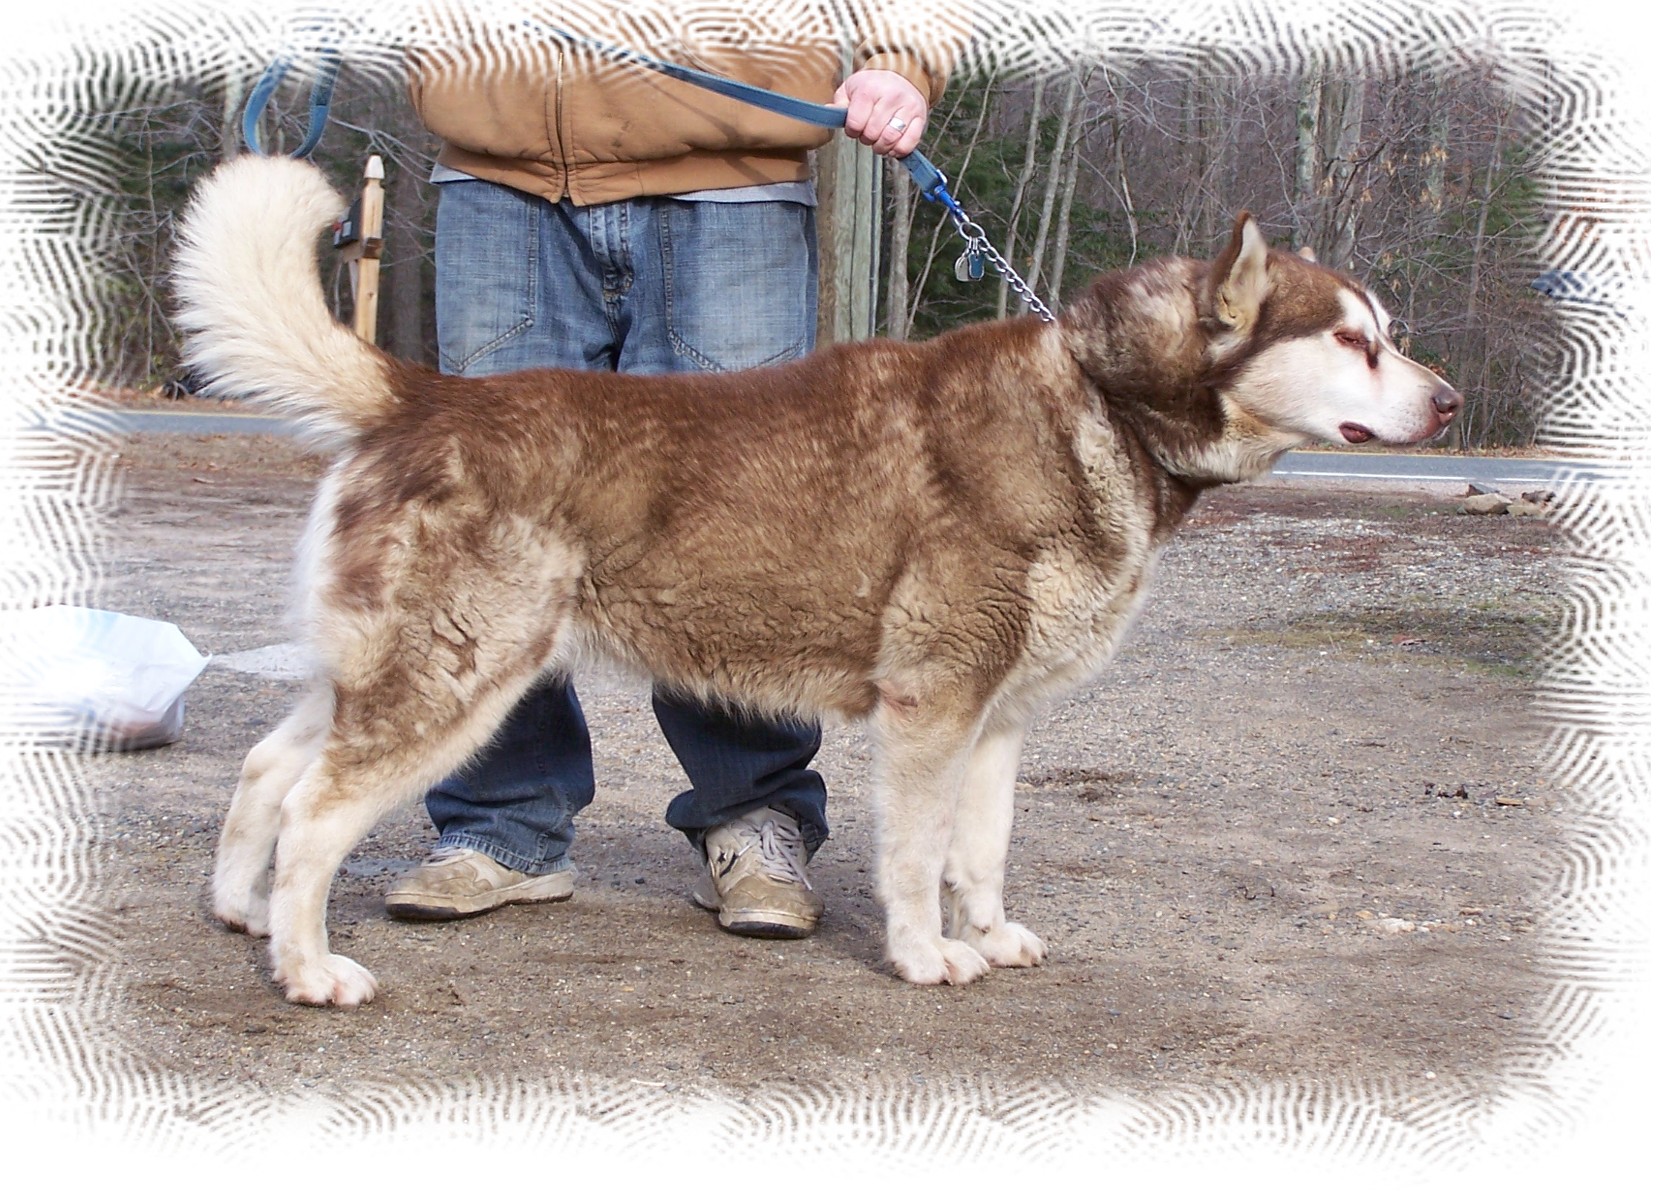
1577	1107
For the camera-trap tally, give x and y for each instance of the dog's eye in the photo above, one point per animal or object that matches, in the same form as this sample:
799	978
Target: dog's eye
1357	340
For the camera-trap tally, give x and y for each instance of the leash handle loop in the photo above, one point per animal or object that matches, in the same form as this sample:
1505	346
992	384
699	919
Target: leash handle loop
322	92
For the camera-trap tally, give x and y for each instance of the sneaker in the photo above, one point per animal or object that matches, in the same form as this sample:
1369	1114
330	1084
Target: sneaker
757	880
458	882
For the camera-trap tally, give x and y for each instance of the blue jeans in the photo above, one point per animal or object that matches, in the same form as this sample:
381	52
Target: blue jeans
650	286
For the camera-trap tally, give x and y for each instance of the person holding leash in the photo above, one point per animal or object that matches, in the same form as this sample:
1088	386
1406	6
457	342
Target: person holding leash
601	217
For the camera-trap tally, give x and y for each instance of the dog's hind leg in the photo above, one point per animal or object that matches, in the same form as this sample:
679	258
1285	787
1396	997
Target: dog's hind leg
920	761
419	684
387	745
336	802
976	861
242	873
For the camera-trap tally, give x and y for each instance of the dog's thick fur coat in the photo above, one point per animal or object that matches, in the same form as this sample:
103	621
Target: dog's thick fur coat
937	538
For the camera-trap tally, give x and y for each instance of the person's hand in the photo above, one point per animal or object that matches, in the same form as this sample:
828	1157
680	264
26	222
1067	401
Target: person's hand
884	111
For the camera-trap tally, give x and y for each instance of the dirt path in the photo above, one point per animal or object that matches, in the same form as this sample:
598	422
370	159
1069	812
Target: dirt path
1297	830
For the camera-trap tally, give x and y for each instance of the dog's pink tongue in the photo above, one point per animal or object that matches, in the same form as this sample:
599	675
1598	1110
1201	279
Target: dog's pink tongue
1355	434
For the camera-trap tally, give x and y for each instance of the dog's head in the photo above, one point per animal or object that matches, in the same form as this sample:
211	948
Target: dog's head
1305	350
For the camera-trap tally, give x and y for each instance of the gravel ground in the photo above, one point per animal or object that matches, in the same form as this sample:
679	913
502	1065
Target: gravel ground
1297	830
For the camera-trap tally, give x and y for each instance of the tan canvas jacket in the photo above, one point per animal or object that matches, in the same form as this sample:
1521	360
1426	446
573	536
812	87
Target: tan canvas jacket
536	114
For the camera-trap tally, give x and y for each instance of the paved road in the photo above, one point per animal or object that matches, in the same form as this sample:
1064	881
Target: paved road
1443	468
1308	464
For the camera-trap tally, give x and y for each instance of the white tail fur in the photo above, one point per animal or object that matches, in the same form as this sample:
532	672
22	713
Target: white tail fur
251	305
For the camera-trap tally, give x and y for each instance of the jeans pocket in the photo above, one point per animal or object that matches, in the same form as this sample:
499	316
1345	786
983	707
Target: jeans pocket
740	282
486	256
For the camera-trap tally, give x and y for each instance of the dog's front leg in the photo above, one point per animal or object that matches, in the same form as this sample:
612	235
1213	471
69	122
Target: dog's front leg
920	760
975	864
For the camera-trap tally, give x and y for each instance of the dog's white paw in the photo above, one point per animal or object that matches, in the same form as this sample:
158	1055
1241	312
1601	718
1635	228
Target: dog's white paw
252	917
335	980
1008	945
938	960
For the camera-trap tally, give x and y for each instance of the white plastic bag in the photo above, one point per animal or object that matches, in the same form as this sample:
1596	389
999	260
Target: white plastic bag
94	680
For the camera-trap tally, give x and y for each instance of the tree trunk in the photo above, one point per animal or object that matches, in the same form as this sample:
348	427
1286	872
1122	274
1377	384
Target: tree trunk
1343	103
1327	195
1309	169
230	126
1027	169
1063	232
1435	155
902	192
1122	190
1460	435
1052	181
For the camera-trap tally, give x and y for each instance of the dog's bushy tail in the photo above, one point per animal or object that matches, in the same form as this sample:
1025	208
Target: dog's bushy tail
251	305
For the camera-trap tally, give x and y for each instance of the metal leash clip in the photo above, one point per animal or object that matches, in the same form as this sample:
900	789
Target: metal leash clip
980	250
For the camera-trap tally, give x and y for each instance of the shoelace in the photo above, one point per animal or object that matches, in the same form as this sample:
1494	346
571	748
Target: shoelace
781	851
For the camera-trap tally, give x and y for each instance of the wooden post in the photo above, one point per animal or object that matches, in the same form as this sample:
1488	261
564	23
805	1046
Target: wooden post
363	253
849	182
849	229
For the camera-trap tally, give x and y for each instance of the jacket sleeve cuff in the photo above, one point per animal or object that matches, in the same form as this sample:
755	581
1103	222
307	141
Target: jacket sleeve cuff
912	66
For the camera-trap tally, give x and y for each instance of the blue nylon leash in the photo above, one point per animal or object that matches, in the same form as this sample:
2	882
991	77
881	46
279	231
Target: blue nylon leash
930	180
322	92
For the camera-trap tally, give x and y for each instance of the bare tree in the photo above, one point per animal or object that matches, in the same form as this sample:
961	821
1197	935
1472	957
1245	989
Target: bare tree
1058	156
1328	192
1028	167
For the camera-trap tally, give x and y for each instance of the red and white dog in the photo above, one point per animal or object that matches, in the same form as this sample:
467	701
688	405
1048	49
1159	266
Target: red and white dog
938	538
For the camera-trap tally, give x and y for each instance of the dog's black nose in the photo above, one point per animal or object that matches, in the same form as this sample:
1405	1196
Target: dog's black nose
1447	403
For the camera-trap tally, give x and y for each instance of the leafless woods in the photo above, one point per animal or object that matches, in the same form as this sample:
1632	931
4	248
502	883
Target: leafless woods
1427	184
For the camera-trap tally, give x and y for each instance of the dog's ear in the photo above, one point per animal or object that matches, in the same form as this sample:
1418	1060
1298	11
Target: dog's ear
1307	254
1239	279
